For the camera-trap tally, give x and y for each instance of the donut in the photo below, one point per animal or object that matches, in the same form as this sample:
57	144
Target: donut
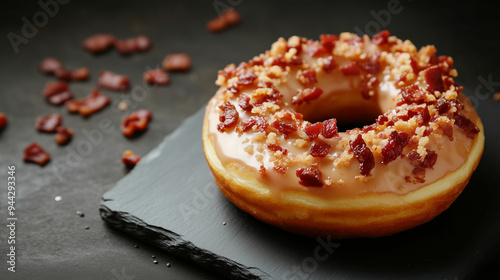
347	136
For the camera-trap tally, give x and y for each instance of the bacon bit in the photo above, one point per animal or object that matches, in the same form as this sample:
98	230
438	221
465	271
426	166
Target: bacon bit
57	92
413	94
419	171
262	171
295	60
113	81
129	46
99	42
246	79
415	66
315	50
49	66
3	121
423	114
135	123
394	147
36	154
228	117
319	149
368	84
329	128
329	64
433	78
63	135
309	177
80	74
280	61
130	159
313	130
307	95
443	106
280	169
372	65
94	102
259	121
467	125
177	62
244	102
328	41
447	129
428	161
382	119
414	180
381	37
309	77
156	77
283	127
48	123
276	148
275	98
350	69
228	18
363	154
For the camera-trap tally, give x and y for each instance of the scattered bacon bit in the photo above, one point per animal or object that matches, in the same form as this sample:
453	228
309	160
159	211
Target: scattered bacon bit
3	121
157	77
313	130
315	50
259	121
309	177
228	117
63	74
433	78
427	162
415	66
228	18
467	125
113	81
280	61
329	64
372	65
328	41
496	96
309	77
57	92
130	159
422	113
363	154
350	69
381	37
49	66
329	128
443	106
296	60
413	94
307	95
368	84
262	171
394	147
129	46
48	123
382	119
319	149
283	127
276	148
246	79
99	42
135	123
63	135
36	154
244	102
177	62
94	102
415	180
275	97
280	169
79	74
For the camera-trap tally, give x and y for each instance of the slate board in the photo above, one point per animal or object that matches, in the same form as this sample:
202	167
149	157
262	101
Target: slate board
171	201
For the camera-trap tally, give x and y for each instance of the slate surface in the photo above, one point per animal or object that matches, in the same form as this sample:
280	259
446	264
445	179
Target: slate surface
51	240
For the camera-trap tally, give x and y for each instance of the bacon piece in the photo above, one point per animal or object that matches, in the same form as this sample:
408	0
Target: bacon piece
427	162
275	97
228	118
280	169
467	125
156	76
87	106
276	148
48	123
296	60
381	37
57	92
63	135
315	50
329	64
260	122
246	79
328	41
372	65
422	112
283	127
113	81
129	46
177	62
307	95
329	128
130	159
36	154
99	42
313	130
433	78
394	147
228	18
363	154
79	74
135	123
350	69
49	66
319	149
244	102
3	121
308	77
309	177
413	94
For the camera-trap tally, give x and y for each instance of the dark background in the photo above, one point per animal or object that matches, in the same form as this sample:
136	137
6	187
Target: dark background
51	242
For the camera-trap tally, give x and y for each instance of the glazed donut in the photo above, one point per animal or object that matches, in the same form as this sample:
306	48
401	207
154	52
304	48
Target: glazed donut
271	135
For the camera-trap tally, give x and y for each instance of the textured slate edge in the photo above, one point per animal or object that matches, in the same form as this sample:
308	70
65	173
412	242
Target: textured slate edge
175	244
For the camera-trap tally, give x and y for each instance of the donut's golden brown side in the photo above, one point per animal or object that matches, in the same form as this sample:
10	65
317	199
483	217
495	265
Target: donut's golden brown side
367	215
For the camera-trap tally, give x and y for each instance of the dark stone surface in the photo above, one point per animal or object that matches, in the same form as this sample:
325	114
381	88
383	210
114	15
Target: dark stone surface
51	241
